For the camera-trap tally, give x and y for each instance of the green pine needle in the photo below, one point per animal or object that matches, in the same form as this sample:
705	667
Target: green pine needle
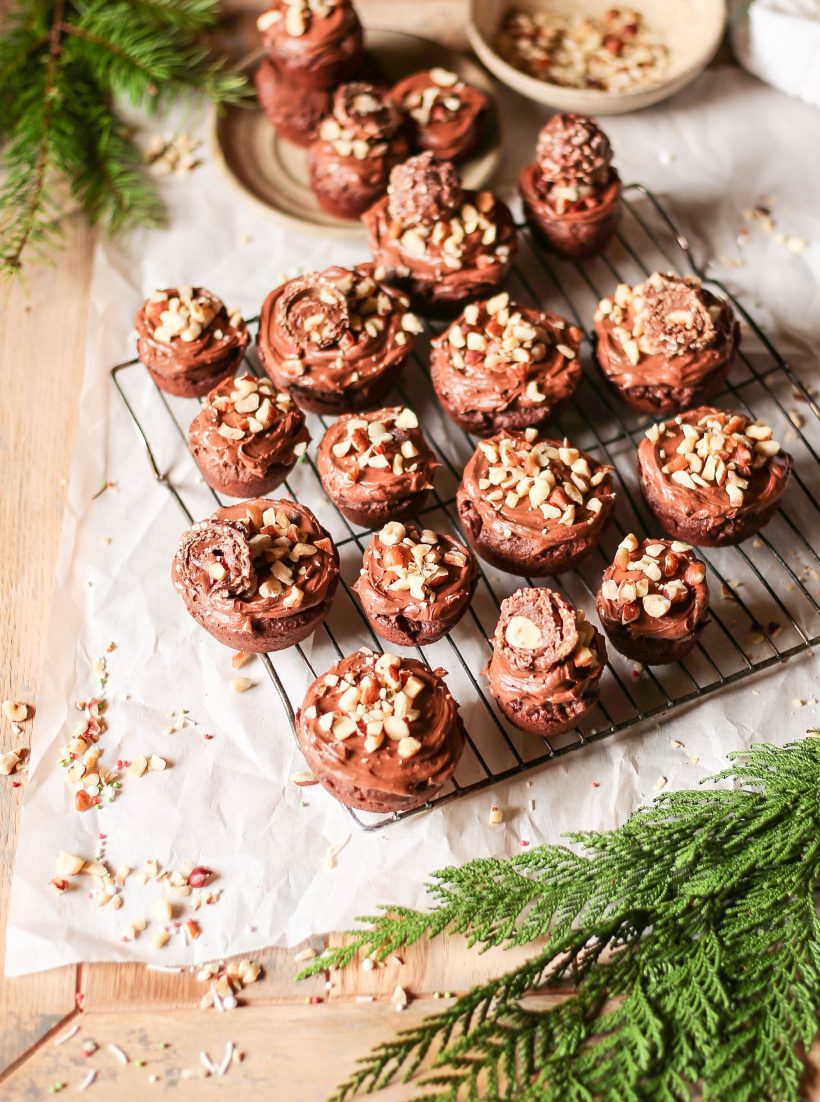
63	67
689	939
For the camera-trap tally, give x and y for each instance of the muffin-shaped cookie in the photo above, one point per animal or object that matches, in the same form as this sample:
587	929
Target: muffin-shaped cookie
246	437
258	576
189	340
415	584
667	344
358	143
448	115
653	602
571	192
712	477
546	664
444	245
532	506
293	112
315	44
377	466
335	340
504	366
380	732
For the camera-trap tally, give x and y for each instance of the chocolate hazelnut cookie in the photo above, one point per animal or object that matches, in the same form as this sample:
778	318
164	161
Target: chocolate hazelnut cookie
653	602
571	192
712	477
447	114
442	244
415	584
258	576
667	344
377	466
335	340
546	663
315	44
246	438
532	506
504	366
380	732
189	340
358	143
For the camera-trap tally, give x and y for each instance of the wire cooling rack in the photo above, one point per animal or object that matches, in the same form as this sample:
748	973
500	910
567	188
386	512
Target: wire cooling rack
764	594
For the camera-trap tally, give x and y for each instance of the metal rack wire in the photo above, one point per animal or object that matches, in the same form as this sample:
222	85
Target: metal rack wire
764	607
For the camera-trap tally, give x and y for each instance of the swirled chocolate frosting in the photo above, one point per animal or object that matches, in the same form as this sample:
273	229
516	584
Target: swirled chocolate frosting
381	725
713	463
655	588
546	491
246	424
333	329
250	563
309	34
444	108
544	651
669	331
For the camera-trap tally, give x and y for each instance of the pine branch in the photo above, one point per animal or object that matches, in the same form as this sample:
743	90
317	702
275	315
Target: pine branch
63	64
689	936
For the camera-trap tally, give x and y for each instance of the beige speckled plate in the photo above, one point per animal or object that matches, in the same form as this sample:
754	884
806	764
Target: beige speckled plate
692	28
273	172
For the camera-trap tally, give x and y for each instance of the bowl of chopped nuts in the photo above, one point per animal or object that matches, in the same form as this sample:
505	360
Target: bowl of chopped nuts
588	57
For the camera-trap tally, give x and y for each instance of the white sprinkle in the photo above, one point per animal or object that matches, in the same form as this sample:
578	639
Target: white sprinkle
364	998
163	968
226	1059
666	156
368	964
208	1063
118	1052
87	1080
796	244
69	1033
230	1003
217	1000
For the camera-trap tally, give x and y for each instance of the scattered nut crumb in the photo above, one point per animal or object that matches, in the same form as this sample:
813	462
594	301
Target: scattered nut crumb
15	712
241	684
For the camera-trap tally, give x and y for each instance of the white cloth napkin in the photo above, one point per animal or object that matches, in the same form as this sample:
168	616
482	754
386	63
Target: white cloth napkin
779	41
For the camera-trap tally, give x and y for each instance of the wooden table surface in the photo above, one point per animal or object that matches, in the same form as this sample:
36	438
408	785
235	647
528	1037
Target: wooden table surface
292	1051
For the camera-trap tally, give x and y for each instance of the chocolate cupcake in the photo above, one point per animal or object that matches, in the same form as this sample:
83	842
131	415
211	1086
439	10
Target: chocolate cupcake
546	663
246	438
293	112
335	340
448	115
357	145
381	733
504	366
571	193
712	477
315	44
189	340
258	576
532	506
441	243
415	584
377	466
666	344
653	602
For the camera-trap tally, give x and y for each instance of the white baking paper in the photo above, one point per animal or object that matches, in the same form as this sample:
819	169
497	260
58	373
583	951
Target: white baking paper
226	802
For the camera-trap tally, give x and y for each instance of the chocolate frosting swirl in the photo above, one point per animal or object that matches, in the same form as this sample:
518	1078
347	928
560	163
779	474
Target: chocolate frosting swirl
416	573
188	332
247	424
544	651
323	33
546	491
499	356
333	329
445	109
669	331
713	464
654	589
276	557
376	457
382	725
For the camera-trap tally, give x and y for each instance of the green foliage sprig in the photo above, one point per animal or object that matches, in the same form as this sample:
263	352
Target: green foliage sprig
689	938
63	66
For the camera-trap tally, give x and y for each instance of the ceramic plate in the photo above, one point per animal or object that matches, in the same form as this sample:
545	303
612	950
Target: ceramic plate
693	30
273	172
